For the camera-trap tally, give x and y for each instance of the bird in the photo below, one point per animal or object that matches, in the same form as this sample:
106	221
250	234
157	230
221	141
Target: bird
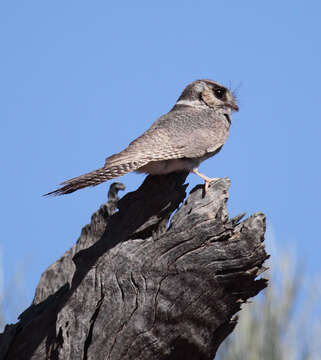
194	130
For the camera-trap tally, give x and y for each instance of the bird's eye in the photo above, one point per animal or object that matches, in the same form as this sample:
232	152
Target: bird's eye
219	93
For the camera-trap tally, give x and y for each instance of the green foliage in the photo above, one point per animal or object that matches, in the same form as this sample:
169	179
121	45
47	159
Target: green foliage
281	324
12	297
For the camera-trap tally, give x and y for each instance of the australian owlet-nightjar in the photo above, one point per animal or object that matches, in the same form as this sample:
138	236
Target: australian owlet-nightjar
195	129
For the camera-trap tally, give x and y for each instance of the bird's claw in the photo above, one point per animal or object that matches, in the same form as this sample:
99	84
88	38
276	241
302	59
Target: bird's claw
207	183
206	179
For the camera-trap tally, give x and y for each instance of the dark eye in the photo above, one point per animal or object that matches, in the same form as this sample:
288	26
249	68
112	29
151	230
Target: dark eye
219	93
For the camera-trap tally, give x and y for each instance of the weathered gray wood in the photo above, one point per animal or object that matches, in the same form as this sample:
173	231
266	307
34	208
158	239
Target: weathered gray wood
134	288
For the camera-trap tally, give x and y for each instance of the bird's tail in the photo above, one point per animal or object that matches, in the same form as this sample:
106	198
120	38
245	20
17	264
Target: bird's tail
91	179
95	177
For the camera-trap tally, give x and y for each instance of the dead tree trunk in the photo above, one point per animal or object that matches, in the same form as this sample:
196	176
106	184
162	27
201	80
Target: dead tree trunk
133	287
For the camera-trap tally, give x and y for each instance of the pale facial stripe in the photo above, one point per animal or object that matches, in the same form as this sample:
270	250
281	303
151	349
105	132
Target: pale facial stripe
195	103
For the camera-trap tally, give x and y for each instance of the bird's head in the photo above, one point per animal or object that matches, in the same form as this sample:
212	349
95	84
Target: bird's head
210	94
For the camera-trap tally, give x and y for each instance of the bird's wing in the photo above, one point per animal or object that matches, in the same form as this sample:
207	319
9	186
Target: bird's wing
157	144
154	145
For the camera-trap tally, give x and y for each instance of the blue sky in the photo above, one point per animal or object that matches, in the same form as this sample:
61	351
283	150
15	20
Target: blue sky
80	80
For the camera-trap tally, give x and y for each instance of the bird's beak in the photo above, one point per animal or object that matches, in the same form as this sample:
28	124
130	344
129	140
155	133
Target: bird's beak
233	106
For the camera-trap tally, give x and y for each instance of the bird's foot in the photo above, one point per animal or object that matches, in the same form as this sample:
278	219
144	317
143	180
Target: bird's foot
206	179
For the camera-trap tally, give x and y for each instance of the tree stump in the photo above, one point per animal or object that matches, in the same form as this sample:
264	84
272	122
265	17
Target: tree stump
138	286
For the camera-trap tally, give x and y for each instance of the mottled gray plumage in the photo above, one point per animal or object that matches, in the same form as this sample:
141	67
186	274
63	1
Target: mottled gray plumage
194	130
